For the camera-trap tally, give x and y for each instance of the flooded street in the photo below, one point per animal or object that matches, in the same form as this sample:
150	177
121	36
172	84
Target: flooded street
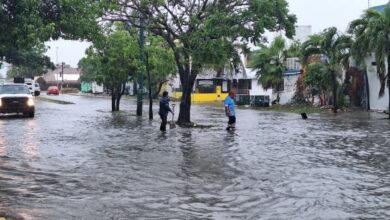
82	162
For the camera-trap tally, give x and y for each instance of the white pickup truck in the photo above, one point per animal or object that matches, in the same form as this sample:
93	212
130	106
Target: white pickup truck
16	98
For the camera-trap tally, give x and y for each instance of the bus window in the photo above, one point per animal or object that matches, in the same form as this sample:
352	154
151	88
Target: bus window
225	86
206	86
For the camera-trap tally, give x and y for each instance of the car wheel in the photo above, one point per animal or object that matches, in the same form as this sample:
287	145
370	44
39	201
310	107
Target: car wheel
37	93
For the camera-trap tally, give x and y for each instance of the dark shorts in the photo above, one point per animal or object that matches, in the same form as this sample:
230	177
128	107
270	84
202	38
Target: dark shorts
232	120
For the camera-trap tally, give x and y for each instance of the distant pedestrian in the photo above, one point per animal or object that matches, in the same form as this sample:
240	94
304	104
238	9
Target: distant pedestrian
164	110
230	110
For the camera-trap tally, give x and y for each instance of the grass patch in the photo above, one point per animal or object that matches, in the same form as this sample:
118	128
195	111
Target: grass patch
69	90
294	108
54	101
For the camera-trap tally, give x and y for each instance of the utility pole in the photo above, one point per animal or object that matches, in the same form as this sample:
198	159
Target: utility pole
149	87
56	56
62	74
141	73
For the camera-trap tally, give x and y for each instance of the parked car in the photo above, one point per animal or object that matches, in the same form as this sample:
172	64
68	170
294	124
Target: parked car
53	90
16	98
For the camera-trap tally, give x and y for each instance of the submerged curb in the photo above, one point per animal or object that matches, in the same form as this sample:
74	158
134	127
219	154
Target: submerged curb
55	101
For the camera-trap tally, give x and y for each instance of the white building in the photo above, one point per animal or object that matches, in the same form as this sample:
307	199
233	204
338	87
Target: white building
256	88
376	102
69	78
291	76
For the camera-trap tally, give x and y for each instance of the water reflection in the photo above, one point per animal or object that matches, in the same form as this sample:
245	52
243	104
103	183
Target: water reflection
31	141
3	144
3	150
274	166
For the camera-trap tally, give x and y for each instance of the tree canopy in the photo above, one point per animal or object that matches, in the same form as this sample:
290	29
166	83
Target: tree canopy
30	63
27	23
160	62
332	50
372	34
270	64
317	77
111	61
204	32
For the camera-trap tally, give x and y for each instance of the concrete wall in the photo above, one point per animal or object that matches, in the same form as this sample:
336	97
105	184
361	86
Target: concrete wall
376	103
289	88
258	89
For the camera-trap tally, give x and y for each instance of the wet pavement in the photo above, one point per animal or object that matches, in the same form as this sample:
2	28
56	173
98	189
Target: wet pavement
82	162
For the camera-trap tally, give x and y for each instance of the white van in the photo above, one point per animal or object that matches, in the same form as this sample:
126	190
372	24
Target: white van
33	86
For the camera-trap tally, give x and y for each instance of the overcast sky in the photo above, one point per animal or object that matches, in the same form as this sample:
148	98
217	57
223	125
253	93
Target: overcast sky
320	14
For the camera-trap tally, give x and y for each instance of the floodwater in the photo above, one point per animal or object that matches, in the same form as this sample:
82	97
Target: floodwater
81	162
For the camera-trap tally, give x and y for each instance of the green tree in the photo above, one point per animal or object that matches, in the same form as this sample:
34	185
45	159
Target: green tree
270	65
204	32
332	50
318	79
160	65
88	67
30	63
372	34
111	60
27	23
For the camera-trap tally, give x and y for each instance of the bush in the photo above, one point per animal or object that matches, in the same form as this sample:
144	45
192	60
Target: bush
70	90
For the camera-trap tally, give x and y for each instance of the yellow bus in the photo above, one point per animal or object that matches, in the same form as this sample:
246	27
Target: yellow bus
208	90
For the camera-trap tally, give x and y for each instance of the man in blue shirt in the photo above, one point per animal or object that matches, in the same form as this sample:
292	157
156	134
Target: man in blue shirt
164	110
230	110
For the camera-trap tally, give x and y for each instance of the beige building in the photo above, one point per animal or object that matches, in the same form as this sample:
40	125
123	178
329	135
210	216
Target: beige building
70	78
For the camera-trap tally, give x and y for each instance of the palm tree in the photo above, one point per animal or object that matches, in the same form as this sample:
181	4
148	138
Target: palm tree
333	49
270	64
372	34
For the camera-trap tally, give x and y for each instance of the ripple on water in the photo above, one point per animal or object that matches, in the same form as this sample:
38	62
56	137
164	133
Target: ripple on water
274	166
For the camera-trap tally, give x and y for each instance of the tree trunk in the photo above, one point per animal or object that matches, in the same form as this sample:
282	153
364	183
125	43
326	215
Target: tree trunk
187	81
388	79
113	99
220	71
388	83
185	108
334	82
135	89
160	84
367	88
118	100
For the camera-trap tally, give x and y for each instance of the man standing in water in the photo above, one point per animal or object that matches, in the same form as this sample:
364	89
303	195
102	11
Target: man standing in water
230	110
164	110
